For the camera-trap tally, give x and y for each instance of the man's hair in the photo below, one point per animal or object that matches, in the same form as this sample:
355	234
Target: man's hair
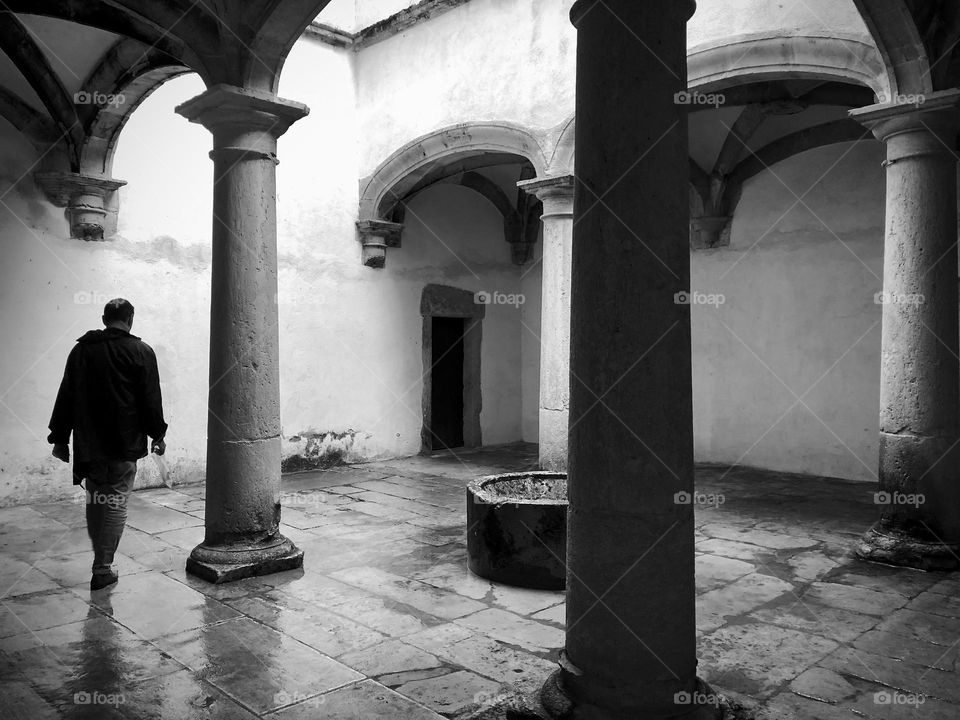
118	309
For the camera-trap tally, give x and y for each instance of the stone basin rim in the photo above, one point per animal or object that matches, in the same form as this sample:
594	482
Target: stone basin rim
481	493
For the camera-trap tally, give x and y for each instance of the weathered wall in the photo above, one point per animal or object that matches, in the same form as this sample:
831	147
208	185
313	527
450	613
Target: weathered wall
796	296
52	290
350	336
448	71
786	371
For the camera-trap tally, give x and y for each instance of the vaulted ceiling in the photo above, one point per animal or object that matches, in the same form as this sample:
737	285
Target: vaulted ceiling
71	71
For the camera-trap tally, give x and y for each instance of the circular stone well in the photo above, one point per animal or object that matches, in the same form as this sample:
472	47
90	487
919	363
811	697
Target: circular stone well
517	529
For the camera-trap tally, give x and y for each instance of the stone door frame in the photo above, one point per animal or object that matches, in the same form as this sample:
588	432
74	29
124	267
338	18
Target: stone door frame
451	302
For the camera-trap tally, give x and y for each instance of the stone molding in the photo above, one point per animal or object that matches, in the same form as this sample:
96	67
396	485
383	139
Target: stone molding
375	237
384	29
227	105
408	165
446	301
938	116
555	191
846	57
87	199
708	232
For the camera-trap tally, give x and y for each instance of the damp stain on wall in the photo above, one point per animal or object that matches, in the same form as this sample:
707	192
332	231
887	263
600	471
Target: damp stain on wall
314	450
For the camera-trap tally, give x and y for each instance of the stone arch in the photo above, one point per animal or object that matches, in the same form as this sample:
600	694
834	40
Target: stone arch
125	77
751	59
561	161
901	48
760	57
451	155
426	156
34	125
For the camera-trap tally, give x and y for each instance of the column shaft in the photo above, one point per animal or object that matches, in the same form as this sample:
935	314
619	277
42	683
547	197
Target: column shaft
243	424
557	196
243	421
919	472
630	645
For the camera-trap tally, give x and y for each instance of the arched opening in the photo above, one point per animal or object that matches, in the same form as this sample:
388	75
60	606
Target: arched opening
462	223
787	218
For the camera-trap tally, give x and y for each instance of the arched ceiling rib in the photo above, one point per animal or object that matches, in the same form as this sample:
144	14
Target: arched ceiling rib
18	44
898	40
106	17
838	131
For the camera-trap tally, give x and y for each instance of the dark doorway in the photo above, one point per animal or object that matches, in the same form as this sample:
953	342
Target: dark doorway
446	383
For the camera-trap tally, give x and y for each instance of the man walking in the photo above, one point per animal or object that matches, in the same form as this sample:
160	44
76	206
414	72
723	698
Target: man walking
110	399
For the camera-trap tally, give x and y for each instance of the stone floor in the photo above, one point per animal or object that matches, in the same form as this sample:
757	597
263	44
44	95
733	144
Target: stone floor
384	620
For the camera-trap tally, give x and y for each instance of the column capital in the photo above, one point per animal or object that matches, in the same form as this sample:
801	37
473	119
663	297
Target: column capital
376	236
937	114
582	7
254	109
550	186
555	191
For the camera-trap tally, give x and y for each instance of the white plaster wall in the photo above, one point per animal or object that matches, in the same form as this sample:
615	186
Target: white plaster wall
797	296
510	60
52	290
799	320
454	237
350	336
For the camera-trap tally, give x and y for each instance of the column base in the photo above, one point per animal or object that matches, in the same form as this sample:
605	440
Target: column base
226	563
896	547
704	705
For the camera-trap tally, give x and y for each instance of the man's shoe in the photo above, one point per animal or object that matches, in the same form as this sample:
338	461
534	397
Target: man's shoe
100	581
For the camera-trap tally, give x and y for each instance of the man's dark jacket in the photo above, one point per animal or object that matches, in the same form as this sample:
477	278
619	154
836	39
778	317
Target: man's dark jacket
109	398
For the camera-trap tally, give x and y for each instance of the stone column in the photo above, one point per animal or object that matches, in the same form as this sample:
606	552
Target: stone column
556	193
919	469
243	423
631	636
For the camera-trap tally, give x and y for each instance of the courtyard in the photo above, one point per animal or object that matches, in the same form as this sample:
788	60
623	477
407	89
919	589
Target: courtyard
385	620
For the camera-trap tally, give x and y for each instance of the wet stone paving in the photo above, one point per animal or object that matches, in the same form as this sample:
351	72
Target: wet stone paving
385	620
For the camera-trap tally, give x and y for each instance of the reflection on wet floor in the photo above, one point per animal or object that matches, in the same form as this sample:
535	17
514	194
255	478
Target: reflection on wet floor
384	620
